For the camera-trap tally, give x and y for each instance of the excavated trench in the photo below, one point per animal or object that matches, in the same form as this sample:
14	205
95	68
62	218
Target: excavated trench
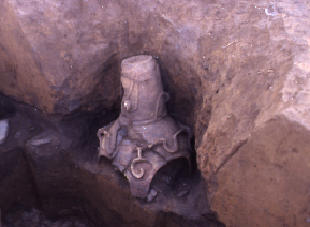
50	174
246	63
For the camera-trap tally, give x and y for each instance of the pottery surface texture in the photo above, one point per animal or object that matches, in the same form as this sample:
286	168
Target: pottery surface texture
144	138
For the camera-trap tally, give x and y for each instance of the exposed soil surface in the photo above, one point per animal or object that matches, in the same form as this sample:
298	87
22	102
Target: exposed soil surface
237	72
36	218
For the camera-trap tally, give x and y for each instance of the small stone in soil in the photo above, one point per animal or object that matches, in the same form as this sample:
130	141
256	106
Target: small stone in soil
4	130
151	195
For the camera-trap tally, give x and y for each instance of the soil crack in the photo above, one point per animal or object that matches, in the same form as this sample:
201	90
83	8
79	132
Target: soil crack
234	151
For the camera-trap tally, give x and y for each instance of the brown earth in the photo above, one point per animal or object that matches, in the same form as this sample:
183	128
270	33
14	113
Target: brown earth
237	73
